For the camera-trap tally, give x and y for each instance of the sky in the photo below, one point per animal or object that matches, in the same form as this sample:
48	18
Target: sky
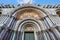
41	2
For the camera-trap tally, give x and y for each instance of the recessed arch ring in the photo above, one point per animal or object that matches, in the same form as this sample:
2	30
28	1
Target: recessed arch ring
29	20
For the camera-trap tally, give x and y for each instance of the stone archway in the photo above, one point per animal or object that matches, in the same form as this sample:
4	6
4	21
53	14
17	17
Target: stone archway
27	21
29	15
29	26
29	11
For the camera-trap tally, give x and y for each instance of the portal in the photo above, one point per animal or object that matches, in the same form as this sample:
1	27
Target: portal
29	36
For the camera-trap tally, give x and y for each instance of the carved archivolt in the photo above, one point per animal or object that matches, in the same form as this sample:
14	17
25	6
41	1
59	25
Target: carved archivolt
29	13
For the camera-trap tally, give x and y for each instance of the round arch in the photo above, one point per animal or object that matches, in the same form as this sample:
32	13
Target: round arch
20	9
36	23
29	6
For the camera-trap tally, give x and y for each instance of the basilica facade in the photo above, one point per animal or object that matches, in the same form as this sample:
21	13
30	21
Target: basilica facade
29	22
